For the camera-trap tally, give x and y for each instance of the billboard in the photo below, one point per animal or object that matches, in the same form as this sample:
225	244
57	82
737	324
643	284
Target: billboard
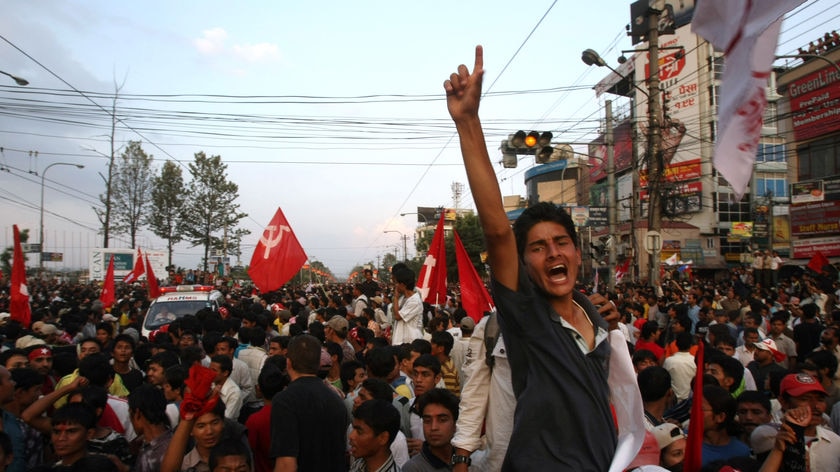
818	218
123	262
815	104
622	152
679	78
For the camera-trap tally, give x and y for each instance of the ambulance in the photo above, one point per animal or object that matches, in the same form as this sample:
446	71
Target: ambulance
178	301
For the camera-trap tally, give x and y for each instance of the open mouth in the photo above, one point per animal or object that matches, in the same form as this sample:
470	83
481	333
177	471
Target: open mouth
558	271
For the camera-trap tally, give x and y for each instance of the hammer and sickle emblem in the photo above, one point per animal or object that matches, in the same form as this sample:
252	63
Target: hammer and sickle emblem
273	238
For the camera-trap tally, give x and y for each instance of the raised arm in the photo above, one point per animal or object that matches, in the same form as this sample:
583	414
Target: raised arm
463	94
33	414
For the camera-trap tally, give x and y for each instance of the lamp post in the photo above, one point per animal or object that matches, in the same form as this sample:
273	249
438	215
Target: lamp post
425	220
655	164
18	80
41	236
404	240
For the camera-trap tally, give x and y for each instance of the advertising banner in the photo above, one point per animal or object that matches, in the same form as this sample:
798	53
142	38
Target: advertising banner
807	248
816	218
123	262
807	192
815	104
741	229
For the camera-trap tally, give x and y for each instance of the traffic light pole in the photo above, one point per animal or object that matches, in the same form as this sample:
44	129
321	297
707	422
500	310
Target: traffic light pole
654	164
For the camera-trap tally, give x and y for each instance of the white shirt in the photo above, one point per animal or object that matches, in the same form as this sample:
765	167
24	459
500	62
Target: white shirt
682	368
232	396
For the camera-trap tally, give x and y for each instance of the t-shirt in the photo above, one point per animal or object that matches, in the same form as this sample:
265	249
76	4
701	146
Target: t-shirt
735	448
309	422
259	437
563	419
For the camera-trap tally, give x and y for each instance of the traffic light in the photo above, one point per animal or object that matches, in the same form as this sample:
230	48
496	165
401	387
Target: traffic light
533	143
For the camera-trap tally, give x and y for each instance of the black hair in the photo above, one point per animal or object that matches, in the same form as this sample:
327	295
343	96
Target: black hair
428	361
821	359
731	367
649	329
150	402
683	340
176	375
722	402
165	359
348	372
190	355
422	346
97	369
271	380
225	363
439	396
381	416
543	211
445	339
105	326
94	396
378	388
406	277
75	413
754	396
642	355
380	362
126	339
228	448
654	383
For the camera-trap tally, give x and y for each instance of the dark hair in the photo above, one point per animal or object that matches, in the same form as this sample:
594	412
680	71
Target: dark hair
271	380
821	359
190	355
94	396
334	349
722	402
649	329
26	378
97	462
428	361
150	402
348	372
378	388
176	375
229	448
105	326
642	355
445	339
305	354
381	416
97	369
283	341
683	340
126	339
165	359
543	211
754	396
406	277
380	361
731	367
225	362
422	346
654	383
75	413
439	396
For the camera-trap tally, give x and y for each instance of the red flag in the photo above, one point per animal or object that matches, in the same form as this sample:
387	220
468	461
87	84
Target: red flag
19	302
107	295
151	280
621	270
432	278
474	297
694	448
277	257
138	269
817	262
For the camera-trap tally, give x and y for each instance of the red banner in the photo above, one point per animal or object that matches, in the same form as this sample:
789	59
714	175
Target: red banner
815	104
432	278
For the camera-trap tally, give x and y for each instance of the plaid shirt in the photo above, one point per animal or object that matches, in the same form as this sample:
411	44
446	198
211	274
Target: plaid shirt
359	465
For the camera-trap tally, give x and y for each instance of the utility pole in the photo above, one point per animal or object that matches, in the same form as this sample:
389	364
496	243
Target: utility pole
611	198
654	164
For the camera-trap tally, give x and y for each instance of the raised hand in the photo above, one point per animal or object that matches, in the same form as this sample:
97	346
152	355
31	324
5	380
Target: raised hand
463	89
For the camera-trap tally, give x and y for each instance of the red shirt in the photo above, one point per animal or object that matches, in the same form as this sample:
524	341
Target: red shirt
259	436
658	350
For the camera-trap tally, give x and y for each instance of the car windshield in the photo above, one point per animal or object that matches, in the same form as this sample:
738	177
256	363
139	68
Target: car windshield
162	313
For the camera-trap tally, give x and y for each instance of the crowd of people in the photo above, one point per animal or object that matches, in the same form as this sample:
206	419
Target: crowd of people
365	376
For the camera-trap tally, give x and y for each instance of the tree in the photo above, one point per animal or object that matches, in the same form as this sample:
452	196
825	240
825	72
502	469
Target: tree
8	253
167	200
133	185
211	207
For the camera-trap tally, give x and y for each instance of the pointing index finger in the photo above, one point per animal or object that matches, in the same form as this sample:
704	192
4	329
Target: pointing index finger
479	59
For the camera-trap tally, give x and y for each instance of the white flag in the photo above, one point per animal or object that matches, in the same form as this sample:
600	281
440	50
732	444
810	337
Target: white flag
747	31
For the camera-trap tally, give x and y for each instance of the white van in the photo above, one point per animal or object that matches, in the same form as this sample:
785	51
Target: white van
176	302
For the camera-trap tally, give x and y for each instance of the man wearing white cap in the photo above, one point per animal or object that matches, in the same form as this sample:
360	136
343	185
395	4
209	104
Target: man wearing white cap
767	357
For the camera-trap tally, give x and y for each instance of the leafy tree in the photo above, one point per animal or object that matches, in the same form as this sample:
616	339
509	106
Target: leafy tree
211	208
8	253
133	185
469	229
167	200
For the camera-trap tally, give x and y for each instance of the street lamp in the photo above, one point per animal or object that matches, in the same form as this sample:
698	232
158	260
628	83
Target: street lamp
41	237
18	80
425	220
655	165
404	240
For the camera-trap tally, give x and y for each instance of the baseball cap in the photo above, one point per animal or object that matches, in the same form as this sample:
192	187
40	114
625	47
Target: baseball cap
377	299
770	345
24	342
467	323
48	329
800	384
109	317
338	323
36	326
667	433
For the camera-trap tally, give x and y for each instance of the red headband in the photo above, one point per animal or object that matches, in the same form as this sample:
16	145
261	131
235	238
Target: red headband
39	352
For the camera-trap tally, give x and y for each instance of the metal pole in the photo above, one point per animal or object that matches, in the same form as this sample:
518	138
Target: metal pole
611	197
655	164
41	235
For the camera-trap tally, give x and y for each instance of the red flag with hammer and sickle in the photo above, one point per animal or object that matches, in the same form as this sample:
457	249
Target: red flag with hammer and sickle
19	297
278	256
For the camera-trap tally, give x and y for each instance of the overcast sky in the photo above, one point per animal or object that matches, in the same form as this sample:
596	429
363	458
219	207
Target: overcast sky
333	111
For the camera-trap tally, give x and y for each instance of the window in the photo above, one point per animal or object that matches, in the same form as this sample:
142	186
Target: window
734	211
770	153
777	187
819	159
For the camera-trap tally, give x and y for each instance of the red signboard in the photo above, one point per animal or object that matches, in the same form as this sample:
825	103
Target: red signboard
807	248
622	152
815	104
680	172
815	218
